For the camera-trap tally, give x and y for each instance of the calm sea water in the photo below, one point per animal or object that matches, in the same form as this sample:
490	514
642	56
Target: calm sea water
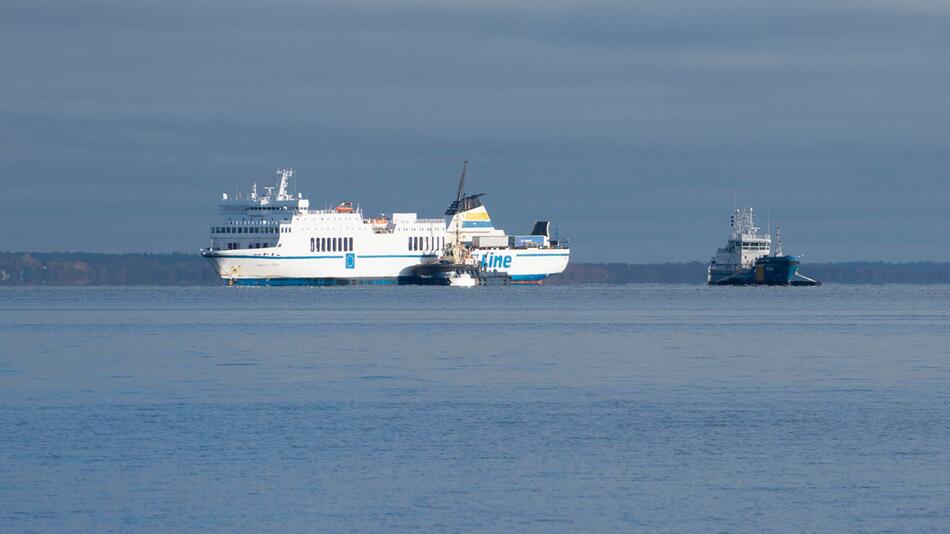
630	408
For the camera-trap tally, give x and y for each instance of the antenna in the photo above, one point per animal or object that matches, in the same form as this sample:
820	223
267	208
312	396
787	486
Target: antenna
461	191
778	239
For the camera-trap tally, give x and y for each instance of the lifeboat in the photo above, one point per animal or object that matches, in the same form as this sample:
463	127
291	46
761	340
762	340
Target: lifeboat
344	207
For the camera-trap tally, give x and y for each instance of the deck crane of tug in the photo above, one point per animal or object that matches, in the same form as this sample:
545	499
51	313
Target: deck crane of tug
456	265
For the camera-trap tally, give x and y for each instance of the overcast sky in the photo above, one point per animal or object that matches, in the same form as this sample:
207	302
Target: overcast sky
633	126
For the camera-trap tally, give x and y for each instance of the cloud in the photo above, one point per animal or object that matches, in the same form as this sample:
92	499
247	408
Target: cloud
595	114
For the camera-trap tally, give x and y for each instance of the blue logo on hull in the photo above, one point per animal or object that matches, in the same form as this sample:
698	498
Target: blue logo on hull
491	261
351	261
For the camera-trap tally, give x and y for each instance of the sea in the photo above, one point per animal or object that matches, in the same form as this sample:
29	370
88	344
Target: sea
598	408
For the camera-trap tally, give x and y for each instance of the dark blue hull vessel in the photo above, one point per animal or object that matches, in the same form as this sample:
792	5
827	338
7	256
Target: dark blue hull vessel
767	271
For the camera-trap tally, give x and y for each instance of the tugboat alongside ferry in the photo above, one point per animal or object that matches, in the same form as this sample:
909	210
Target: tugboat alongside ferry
275	238
748	258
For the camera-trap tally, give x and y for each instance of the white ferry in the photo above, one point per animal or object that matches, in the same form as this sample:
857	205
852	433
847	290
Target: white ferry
273	237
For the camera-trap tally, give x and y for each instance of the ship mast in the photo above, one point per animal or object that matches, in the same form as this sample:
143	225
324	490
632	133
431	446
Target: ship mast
778	242
457	252
283	185
461	192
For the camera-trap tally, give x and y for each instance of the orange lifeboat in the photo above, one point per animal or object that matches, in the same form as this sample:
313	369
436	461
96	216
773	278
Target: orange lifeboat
344	207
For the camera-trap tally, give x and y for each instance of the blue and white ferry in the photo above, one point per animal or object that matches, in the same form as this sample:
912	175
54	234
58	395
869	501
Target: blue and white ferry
274	237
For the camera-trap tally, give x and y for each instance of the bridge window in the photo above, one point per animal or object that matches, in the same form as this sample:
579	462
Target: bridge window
351	244
311	245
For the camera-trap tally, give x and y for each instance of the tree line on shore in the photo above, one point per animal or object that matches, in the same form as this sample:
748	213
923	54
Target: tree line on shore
80	269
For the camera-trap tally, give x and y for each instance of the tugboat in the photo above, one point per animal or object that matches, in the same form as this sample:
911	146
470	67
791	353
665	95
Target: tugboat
456	265
748	258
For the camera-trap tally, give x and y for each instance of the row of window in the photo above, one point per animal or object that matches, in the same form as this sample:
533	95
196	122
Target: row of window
235	246
244	229
755	246
331	244
426	243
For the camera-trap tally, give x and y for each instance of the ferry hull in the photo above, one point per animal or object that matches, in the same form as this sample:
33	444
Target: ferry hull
266	268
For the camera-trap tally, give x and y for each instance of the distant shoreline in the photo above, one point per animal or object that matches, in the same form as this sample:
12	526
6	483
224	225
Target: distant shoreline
180	269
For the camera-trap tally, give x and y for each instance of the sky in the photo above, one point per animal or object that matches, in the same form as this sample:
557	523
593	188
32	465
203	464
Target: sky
634	126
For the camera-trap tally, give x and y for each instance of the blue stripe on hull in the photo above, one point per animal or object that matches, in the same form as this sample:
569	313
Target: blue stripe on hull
402	280
317	257
316	281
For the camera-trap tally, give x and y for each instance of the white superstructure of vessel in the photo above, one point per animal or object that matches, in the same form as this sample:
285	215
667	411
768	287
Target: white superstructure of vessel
744	247
275	238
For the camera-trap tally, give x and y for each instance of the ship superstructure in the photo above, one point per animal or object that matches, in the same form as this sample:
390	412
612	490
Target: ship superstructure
275	238
748	257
